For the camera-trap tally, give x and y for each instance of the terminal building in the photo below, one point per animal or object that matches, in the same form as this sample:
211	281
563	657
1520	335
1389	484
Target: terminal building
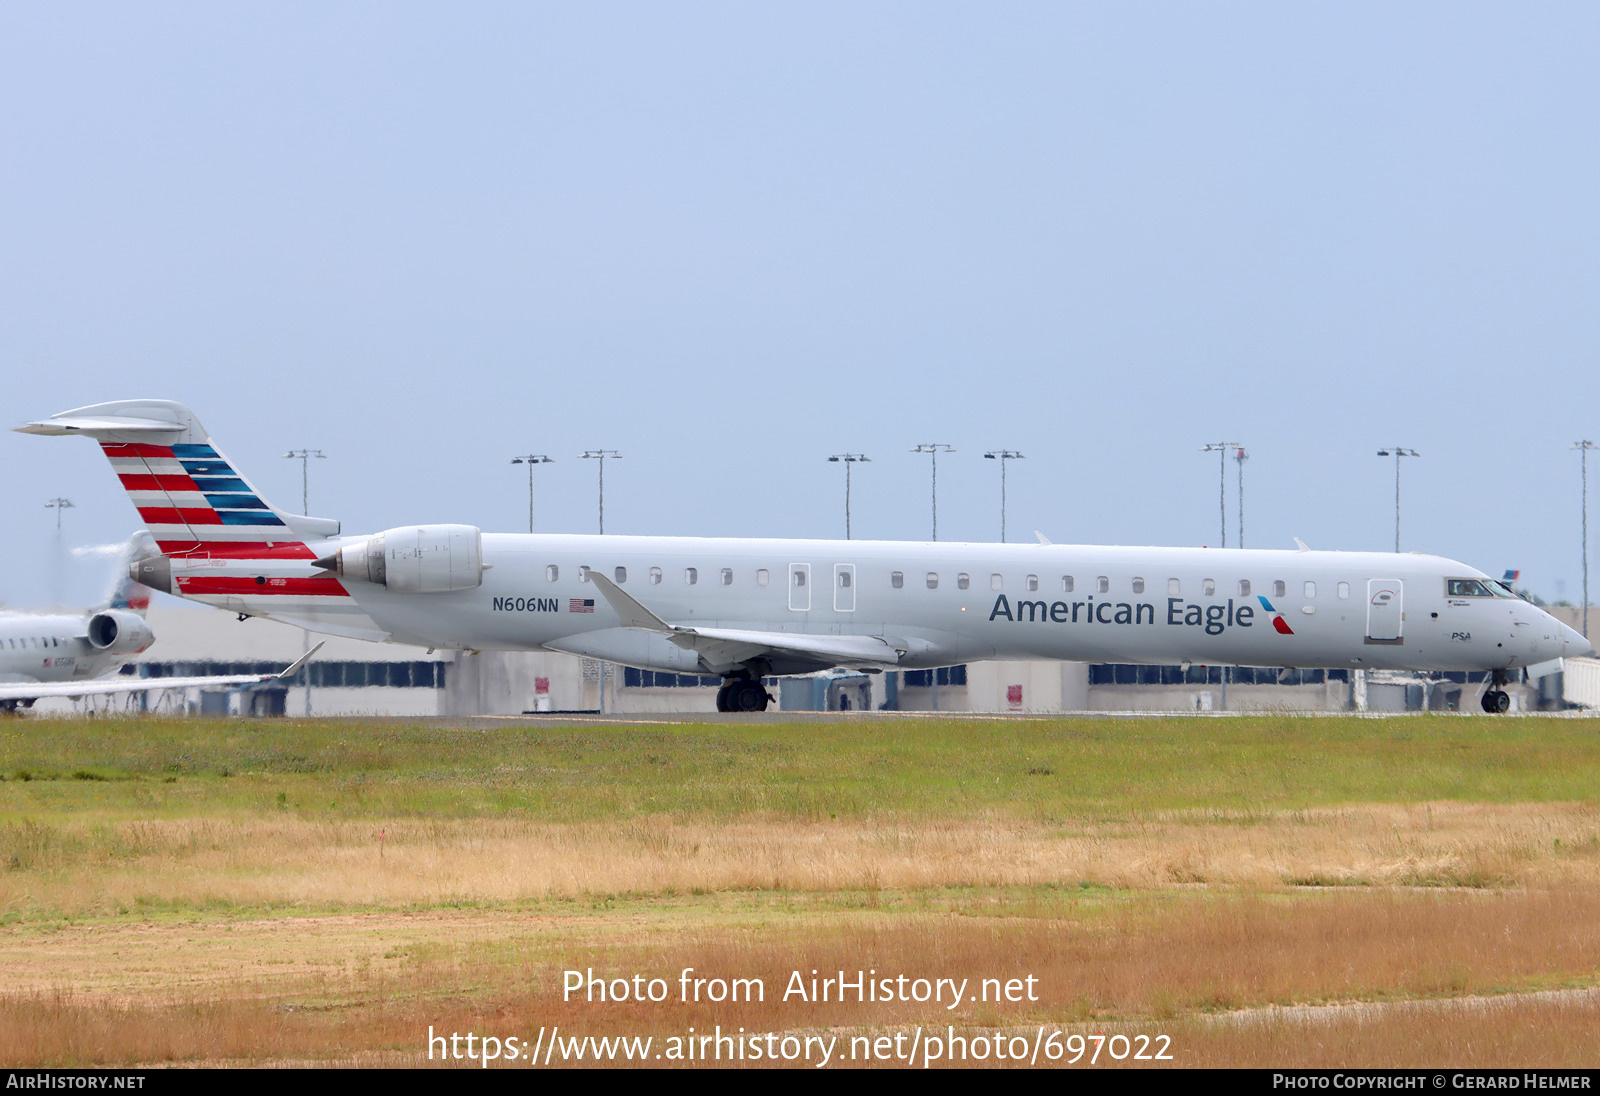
354	677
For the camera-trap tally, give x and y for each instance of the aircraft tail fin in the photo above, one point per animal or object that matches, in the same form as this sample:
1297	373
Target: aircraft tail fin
193	499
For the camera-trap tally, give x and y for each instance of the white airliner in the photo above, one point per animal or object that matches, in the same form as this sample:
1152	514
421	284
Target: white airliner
745	609
65	654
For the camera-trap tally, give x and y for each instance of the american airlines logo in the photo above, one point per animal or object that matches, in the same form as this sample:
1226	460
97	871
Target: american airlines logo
1213	619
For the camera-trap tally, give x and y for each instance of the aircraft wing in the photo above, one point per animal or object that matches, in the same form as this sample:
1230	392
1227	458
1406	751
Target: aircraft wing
724	648
97	686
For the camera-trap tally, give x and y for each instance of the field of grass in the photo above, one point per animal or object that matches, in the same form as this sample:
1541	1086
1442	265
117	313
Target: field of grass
209	891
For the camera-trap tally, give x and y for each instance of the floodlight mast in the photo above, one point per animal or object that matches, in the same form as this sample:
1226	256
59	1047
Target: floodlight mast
1583	456
304	457
1220	448
847	459
531	459
1003	455
1240	456
1397	452
933	449
58	505
601	455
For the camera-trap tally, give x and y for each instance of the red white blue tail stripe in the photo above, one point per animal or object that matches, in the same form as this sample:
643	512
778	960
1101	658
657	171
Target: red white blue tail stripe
197	506
195	503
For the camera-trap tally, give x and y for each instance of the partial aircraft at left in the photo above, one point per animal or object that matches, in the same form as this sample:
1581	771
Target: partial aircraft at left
67	654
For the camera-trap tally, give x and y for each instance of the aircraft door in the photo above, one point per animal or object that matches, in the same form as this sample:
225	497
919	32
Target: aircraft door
844	587
800	587
1385	610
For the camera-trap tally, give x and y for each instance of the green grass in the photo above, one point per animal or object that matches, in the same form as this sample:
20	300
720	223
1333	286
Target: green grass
1062	771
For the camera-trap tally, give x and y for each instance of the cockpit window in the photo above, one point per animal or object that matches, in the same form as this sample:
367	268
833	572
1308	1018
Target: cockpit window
1500	589
1466	587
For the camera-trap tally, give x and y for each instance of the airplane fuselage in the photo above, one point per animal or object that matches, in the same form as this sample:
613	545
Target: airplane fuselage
52	647
943	603
745	609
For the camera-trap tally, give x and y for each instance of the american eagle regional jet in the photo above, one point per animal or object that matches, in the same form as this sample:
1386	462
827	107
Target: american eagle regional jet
746	609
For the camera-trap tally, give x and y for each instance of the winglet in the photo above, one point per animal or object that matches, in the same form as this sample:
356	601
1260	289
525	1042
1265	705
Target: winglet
632	614
1042	538
1301	545
295	667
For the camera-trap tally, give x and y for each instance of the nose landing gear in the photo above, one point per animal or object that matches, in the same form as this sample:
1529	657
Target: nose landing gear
1497	700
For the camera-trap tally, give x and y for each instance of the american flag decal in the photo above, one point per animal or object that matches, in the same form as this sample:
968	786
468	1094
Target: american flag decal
581	605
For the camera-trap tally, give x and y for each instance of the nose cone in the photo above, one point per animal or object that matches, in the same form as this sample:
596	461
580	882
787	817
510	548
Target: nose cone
1573	645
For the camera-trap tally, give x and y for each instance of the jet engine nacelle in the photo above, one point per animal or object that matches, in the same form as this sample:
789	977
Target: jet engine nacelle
416	559
117	632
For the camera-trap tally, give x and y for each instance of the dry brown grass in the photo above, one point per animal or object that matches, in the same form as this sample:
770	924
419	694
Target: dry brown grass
366	987
79	871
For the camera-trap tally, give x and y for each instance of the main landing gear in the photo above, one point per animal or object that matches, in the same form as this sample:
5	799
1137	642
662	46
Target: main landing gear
743	694
1497	700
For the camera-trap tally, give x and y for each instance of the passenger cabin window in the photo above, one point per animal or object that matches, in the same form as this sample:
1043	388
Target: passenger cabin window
763	576
551	573
799	576
1466	587
1311	590
1280	588
997	582
1174	587
933	580
963	580
1208	587
1103	584
897	579
1032	583
844	580
691	575
622	575
583	574
727	576
1138	585
1344	591
655	576
1244	587
1066	584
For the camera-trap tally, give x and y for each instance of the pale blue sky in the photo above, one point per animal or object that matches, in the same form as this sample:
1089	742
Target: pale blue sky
731	239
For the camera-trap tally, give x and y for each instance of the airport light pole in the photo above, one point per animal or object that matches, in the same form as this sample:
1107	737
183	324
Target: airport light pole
847	459
531	459
933	449
304	457
1240	456
601	455
58	505
1003	455
1397	452
1583	456
1220	448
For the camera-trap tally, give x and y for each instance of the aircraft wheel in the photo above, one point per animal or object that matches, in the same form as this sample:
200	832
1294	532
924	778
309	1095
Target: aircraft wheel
747	696
1502	701
1486	702
722	698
